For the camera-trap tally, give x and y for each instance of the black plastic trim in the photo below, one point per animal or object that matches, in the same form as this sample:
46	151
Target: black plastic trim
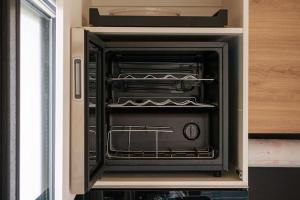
281	136
225	90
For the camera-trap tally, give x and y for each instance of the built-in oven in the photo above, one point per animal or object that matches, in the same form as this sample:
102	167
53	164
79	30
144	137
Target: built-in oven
150	104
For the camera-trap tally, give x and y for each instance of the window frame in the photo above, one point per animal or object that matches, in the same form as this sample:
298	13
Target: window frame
9	98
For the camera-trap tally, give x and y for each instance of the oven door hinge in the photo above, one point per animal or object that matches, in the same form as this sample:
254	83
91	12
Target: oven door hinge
239	173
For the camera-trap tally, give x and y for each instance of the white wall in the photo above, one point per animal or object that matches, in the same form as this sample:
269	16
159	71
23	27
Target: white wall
68	15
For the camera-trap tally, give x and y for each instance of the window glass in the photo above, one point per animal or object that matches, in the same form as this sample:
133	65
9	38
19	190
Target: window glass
35	104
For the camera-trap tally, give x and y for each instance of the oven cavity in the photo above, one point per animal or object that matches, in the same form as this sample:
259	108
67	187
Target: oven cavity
163	107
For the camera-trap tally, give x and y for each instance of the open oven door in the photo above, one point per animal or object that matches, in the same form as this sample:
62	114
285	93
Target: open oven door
87	146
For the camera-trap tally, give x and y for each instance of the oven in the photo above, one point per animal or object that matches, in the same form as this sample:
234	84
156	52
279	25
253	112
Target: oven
147	104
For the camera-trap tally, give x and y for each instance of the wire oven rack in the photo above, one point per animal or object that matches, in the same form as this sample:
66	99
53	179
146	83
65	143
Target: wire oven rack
128	154
160	77
190	102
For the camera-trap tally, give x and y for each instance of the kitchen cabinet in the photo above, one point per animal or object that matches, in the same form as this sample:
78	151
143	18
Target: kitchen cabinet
235	34
274	66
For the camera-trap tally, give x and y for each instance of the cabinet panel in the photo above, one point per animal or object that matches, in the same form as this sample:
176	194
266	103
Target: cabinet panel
274	49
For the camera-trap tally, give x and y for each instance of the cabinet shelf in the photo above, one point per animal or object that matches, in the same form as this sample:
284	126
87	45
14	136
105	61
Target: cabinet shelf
166	30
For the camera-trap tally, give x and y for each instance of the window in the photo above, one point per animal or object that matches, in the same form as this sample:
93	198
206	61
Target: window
36	99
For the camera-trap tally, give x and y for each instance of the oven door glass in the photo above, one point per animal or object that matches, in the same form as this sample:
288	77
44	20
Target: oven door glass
94	148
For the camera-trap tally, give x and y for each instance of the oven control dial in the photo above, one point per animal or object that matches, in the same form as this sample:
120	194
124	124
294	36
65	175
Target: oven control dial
191	131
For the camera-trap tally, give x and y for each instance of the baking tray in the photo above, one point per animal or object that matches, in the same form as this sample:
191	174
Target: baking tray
219	19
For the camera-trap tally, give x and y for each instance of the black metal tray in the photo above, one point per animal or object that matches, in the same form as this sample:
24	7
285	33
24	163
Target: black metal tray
219	19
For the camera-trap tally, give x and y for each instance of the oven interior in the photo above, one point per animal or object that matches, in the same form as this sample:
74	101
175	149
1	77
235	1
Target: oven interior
162	104
159	106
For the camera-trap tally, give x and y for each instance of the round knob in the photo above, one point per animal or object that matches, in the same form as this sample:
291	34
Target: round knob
191	131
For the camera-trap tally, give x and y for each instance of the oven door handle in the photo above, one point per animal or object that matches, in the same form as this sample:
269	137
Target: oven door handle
77	78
